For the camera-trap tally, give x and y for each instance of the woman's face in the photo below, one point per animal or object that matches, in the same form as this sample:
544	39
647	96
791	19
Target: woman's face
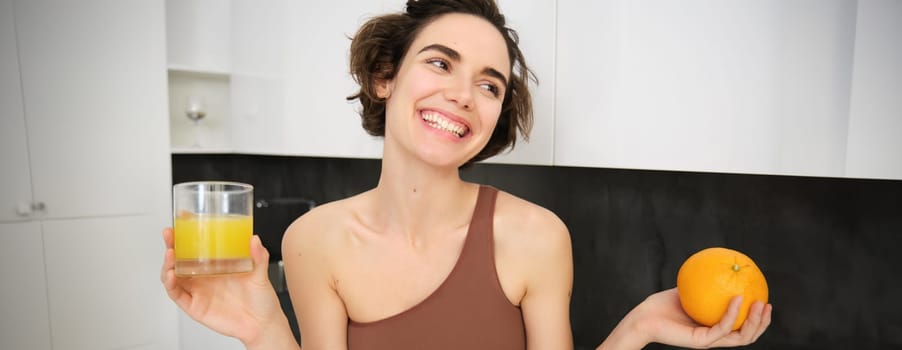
445	99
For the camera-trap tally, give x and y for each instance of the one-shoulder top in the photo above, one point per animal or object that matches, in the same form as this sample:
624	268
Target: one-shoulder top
469	310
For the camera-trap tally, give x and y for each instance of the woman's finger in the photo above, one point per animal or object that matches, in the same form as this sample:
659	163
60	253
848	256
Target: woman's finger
175	291
168	261
752	322
716	334
167	237
729	318
261	258
752	328
765	321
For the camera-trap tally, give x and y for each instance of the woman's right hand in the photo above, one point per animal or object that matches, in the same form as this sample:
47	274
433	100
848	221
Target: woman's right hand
243	306
661	319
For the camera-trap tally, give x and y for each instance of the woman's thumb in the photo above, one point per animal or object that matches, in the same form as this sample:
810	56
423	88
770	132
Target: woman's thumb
260	256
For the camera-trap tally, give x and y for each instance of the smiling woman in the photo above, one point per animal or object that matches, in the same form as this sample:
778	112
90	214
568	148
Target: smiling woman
379	46
426	260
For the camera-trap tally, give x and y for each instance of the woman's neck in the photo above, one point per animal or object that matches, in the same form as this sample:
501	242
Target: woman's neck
416	199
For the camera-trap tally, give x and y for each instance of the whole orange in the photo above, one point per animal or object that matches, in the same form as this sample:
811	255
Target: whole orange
711	277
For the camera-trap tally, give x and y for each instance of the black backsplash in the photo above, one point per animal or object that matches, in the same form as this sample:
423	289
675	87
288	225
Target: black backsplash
829	247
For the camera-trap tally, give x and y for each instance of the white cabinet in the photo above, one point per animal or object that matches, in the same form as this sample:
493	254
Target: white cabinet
290	78
197	35
15	189
875	124
103	283
92	79
199	48
534	21
762	87
88	140
195	336
259	40
747	86
283	91
25	323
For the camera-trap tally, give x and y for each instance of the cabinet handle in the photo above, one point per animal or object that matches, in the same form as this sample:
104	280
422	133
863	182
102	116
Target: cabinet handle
24	209
27	209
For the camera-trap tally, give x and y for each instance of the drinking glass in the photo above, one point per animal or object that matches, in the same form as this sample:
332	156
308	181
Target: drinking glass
213	223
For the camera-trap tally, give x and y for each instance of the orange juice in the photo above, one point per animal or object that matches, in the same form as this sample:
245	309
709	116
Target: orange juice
211	244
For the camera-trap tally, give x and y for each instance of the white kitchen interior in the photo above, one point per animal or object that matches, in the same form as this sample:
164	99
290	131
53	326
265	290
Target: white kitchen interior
85	175
93	96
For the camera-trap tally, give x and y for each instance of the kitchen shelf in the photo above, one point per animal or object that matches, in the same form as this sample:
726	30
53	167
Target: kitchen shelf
201	150
198	71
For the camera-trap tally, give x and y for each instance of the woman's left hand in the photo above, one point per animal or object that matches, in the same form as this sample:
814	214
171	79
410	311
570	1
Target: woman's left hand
663	320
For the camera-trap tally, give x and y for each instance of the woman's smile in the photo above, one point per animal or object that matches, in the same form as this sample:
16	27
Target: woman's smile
447	124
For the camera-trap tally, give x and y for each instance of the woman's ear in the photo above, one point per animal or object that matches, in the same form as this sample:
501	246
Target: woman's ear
383	88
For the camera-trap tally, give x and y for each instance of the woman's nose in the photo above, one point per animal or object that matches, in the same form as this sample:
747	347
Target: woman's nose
458	90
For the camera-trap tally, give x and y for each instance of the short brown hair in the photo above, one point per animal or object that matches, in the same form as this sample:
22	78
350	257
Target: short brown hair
381	43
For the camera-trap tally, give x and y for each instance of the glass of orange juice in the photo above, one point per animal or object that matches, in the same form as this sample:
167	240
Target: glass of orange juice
213	223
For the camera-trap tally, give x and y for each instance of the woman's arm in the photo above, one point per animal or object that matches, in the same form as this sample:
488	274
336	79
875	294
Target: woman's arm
546	304
533	256
535	244
274	335
660	319
321	314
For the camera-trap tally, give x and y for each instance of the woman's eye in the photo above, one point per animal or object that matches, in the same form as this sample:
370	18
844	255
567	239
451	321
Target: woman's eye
440	63
490	88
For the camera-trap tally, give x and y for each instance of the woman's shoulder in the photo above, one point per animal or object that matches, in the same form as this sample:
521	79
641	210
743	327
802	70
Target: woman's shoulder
532	246
322	226
527	225
515	212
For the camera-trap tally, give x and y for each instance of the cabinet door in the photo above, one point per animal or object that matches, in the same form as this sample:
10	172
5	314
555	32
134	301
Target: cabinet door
534	21
195	336
875	121
23	293
15	189
739	86
197	36
290	77
94	81
257	82
103	282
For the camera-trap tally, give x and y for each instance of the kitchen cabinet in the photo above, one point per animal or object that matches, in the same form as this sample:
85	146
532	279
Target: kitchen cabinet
89	168
197	35
875	117
758	87
198	56
26	322
290	78
534	21
15	189
748	87
91	79
103	283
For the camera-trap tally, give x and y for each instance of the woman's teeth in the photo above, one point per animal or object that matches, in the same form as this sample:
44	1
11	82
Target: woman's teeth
436	121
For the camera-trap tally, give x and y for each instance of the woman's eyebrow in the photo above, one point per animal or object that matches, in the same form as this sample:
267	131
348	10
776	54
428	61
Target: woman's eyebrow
451	53
492	72
455	56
